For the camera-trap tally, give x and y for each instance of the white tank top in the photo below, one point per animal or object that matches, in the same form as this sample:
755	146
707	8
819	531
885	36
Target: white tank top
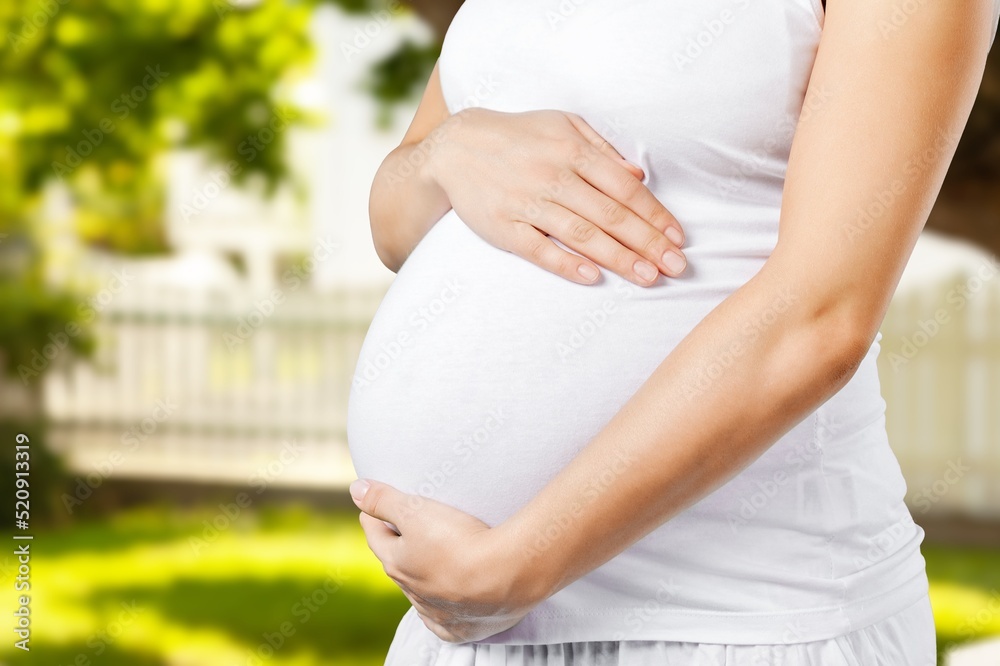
482	376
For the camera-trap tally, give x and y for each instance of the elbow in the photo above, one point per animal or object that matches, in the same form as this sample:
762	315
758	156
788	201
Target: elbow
835	341
384	247
388	258
815	351
827	326
811	362
843	351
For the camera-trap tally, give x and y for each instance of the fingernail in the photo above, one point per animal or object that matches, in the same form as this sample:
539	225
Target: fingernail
675	236
646	271
588	272
674	262
358	489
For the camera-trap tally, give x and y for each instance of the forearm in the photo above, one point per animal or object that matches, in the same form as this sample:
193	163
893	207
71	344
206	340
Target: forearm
405	202
681	438
752	369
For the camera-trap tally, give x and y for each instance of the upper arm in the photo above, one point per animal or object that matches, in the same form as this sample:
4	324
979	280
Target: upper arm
431	111
893	91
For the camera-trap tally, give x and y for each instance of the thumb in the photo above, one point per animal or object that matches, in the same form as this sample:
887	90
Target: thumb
382	501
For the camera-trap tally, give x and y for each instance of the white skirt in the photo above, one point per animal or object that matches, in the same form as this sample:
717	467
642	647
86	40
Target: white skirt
904	639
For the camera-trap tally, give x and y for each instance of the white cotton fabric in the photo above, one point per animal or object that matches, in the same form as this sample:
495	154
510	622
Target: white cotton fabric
903	639
482	375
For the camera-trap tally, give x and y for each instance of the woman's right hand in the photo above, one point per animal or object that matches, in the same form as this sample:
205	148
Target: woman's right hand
517	179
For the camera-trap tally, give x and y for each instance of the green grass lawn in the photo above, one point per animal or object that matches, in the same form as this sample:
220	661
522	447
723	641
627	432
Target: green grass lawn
965	593
286	587
155	587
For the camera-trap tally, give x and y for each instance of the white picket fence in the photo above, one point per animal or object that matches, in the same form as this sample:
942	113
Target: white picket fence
219	386
940	372
267	401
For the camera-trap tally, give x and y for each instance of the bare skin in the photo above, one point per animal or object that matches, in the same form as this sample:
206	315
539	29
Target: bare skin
895	106
517	178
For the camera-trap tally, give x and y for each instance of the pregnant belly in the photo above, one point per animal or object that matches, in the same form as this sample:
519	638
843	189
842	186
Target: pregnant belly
482	375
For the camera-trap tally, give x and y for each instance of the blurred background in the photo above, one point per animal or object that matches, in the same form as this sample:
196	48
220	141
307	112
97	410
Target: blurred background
186	276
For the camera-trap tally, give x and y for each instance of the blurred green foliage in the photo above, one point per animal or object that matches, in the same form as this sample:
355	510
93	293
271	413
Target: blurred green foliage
401	75
93	92
32	317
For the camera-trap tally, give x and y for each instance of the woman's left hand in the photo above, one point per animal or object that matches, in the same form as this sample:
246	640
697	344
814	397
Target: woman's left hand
460	574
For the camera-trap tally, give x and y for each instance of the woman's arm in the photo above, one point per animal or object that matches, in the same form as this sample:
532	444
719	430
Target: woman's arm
403	205
516	178
863	174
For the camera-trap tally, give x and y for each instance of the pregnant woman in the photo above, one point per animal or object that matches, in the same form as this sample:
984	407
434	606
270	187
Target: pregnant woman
620	405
